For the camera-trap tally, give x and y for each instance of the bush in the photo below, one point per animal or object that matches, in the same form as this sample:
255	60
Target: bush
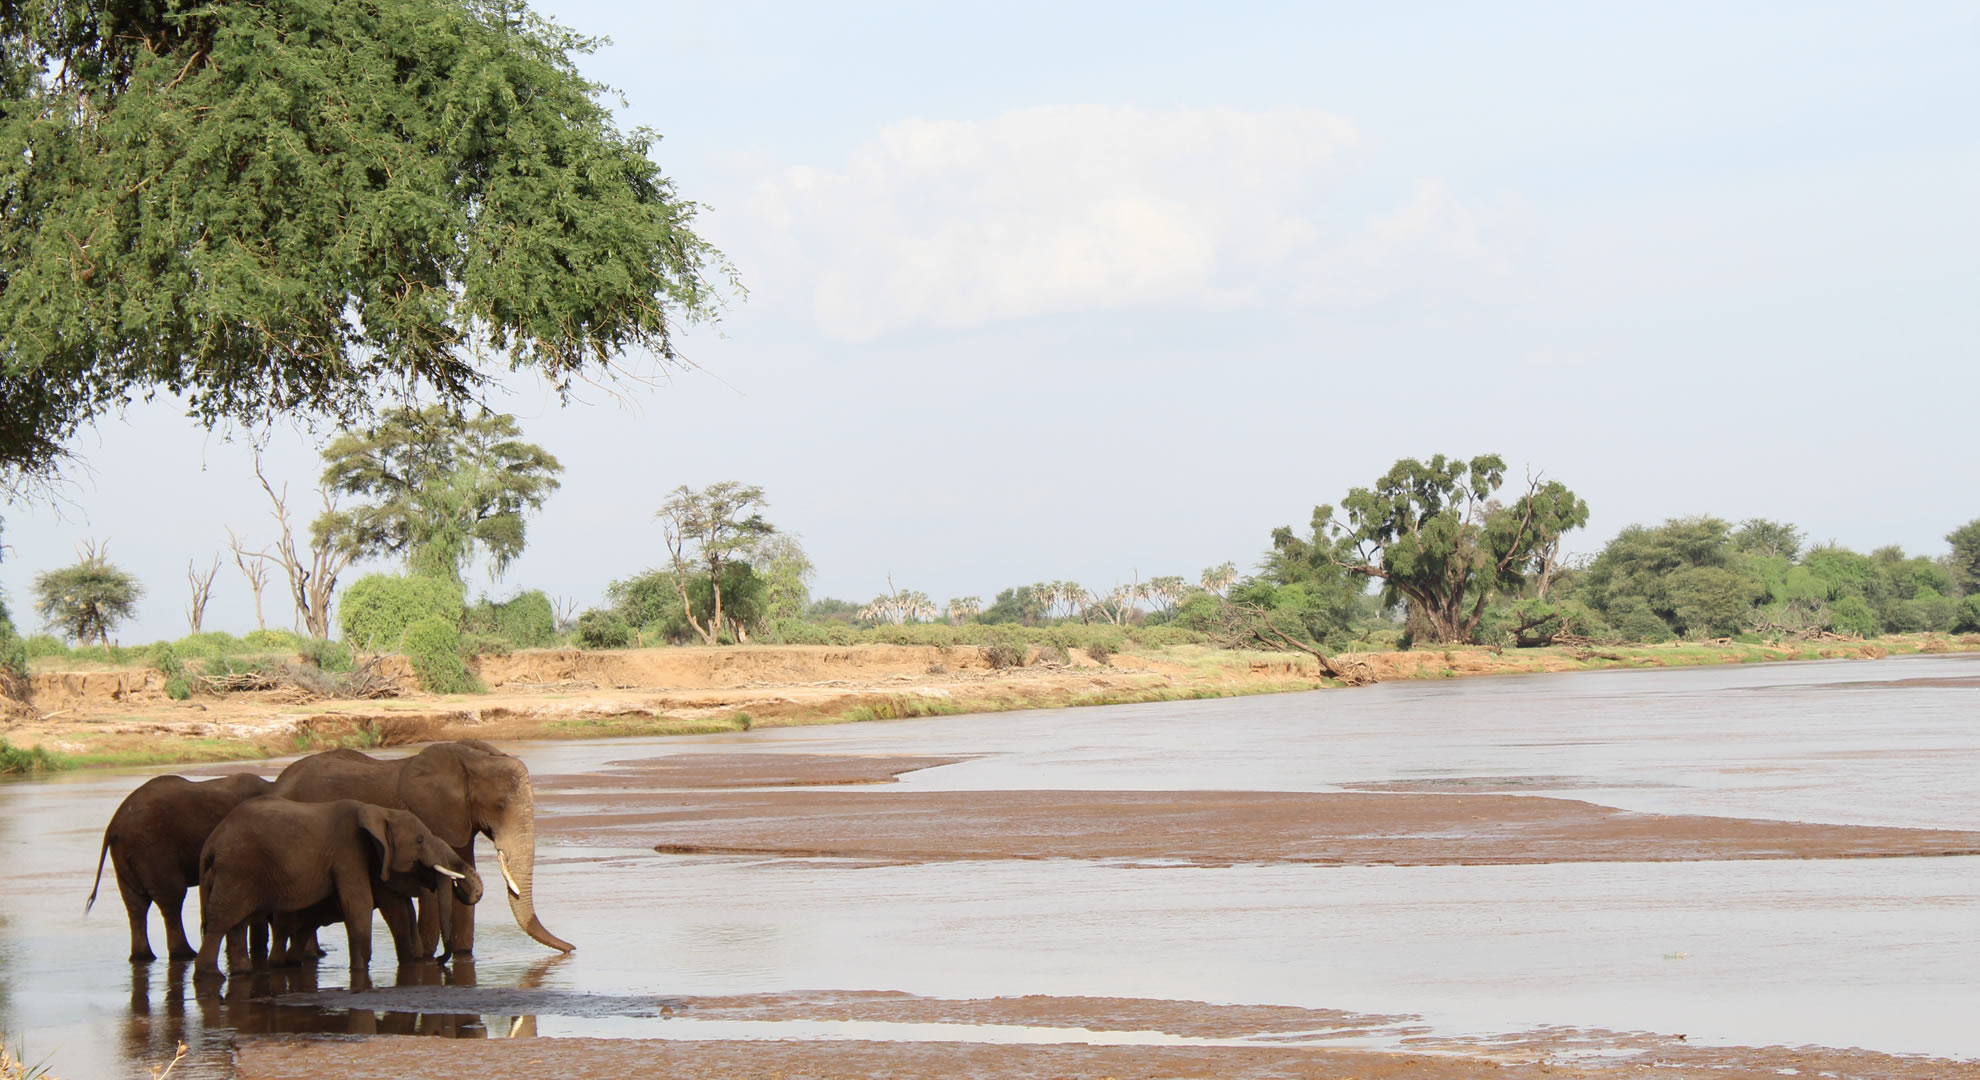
40	645
525	621
273	641
1100	651
601	628
29	761
325	655
13	652
1854	615
380	608
1967	615
433	647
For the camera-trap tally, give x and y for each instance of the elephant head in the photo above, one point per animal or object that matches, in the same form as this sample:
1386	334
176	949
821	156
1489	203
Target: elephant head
407	848
463	788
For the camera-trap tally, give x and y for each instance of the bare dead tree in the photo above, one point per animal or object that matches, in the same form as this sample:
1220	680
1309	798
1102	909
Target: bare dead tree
312	584
202	591
564	610
252	568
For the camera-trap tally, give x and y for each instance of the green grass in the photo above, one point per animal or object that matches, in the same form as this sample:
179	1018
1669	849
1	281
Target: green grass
32	760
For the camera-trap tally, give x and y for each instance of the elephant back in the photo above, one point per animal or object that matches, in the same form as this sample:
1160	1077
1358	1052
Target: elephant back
339	774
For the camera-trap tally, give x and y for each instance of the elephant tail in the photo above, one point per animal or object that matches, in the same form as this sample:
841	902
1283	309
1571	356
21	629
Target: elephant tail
98	883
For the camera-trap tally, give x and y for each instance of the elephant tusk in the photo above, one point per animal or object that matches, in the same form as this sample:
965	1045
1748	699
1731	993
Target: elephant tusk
450	873
516	1026
508	879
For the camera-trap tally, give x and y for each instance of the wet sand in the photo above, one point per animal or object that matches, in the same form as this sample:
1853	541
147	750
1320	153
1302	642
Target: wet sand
586	1059
1205	828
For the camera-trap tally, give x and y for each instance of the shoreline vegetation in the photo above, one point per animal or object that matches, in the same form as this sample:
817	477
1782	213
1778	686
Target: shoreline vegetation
84	713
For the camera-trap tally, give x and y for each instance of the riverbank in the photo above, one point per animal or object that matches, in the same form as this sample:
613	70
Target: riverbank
97	715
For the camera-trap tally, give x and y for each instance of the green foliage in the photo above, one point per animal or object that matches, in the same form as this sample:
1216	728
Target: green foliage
712	530
1020	604
1927	610
1634	621
1854	615
378	609
1434	535
1966	617
805	632
1775	539
269	208
1964	562
600	628
829	609
276	641
326	655
87	600
780	563
436	488
433	646
29	761
40	645
1710	601
13	653
525	621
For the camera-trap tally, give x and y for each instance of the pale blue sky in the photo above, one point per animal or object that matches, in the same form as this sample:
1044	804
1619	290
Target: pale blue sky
1080	290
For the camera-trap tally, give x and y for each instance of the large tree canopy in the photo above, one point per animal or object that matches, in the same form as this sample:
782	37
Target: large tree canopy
287	208
1434	535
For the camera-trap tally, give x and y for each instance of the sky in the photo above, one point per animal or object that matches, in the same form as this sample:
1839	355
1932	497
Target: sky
1094	291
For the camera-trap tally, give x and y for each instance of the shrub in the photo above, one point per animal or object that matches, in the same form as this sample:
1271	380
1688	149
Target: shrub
29	760
1854	615
13	651
40	645
601	628
1005	648
273	641
526	621
379	608
326	655
1100	651
1967	615
433	647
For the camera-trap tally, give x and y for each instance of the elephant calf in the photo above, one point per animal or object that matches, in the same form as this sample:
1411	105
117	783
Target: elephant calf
154	840
287	860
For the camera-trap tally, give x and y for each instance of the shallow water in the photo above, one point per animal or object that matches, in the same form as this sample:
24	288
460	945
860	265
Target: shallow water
1875	953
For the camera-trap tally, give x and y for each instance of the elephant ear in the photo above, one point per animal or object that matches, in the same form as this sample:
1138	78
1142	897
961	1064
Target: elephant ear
372	819
433	784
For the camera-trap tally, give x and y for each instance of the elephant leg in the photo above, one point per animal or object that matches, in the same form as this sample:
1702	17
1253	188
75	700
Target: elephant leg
461	917
171	907
406	940
136	907
238	961
435	923
356	897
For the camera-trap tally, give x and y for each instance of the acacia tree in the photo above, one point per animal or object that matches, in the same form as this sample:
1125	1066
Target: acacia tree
442	487
712	527
86	600
1432	534
274	209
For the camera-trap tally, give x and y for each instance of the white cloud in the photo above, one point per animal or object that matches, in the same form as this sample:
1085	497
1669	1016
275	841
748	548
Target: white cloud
955	224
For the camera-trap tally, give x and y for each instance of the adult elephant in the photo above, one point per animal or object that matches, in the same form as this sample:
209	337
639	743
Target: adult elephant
314	861
153	842
458	789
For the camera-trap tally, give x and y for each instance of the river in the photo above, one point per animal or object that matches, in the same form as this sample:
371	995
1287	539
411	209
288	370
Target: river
1876	953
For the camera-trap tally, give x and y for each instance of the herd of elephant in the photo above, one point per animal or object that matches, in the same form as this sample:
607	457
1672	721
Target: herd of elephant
334	837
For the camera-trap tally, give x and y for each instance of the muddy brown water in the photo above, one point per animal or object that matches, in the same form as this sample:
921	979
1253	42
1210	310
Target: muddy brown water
1851	952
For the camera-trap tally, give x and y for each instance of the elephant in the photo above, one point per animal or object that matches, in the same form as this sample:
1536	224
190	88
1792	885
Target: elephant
153	841
272	857
458	789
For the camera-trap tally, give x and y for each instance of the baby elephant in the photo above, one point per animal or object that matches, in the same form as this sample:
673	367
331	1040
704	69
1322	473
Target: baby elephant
272	856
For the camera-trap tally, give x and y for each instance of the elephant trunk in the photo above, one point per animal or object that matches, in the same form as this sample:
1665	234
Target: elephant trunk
515	851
